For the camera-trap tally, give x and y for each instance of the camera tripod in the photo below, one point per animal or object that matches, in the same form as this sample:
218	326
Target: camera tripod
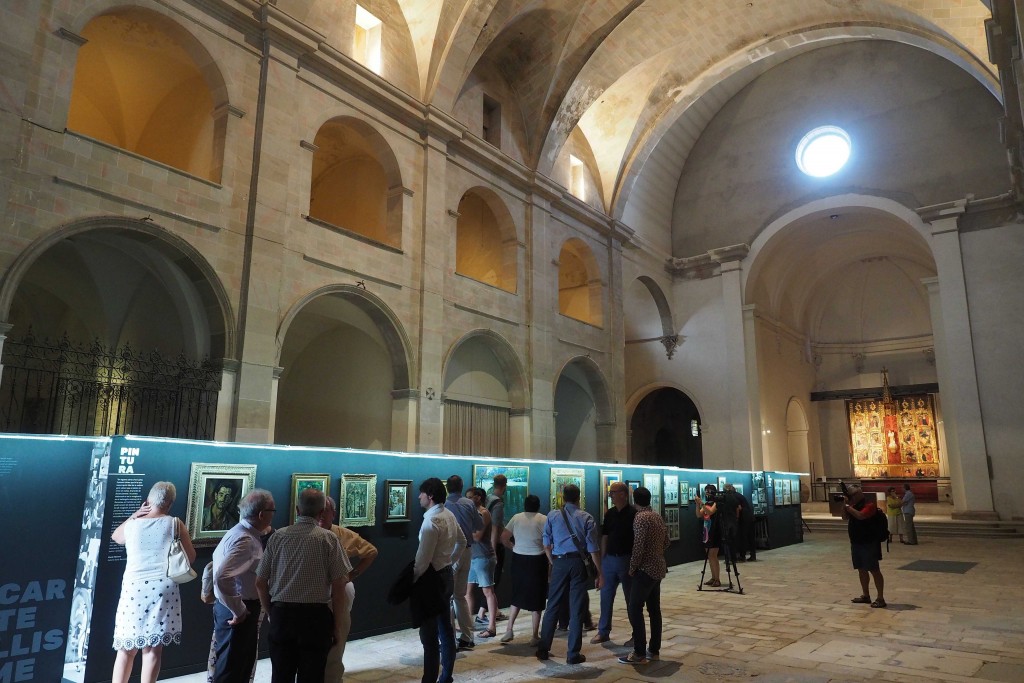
727	552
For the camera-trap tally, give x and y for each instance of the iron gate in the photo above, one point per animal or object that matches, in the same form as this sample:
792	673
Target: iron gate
93	390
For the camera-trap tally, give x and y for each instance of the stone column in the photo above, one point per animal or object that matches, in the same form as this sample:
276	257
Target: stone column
966	451
740	380
225	399
4	329
519	433
404	408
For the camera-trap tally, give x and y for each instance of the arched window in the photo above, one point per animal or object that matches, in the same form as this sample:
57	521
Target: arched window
579	283
485	240
144	84
355	184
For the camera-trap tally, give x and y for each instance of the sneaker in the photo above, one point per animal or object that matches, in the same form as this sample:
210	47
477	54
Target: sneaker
632	658
599	638
482	620
463	645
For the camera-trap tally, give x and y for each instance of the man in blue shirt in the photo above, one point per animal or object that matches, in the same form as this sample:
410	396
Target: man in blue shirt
469	520
568	573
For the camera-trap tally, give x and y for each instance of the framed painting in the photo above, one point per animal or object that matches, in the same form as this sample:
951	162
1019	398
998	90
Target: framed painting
671	482
608	477
652	482
397	501
721	483
684	494
672	522
301	482
787	491
562	476
214	492
633	485
739	488
357	502
518	477
780	495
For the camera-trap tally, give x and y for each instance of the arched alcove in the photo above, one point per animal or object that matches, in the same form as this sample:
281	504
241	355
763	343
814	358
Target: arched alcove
116	327
665	430
484	385
343	360
580	291
583	417
146	85
485	240
797	428
356	183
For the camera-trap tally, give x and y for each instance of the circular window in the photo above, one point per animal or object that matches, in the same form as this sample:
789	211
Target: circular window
823	151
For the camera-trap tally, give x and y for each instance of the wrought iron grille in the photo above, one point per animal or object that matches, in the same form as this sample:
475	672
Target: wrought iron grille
92	390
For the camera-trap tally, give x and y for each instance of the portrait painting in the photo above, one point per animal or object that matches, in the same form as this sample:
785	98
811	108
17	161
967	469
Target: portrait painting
301	482
518	478
357	502
671	482
214	492
652	482
563	476
609	477
397	500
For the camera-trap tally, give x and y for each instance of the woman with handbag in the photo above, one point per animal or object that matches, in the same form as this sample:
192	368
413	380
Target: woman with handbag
149	611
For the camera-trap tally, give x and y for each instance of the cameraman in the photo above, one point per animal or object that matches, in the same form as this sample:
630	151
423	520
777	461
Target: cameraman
866	551
711	530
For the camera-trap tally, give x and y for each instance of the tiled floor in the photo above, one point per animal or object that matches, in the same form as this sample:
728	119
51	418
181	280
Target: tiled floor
794	623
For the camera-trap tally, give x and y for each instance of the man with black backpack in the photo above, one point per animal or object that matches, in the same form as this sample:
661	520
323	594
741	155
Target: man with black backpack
865	542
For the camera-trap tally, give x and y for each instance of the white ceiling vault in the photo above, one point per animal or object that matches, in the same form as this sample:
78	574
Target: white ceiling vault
625	72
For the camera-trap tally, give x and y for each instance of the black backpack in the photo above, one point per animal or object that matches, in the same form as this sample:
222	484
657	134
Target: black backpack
879	525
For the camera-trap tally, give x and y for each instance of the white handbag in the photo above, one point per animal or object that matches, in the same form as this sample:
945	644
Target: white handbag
179	569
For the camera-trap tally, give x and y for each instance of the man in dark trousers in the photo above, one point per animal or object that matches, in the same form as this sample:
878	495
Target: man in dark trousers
301	581
647	567
866	551
568	573
616	548
745	536
236	613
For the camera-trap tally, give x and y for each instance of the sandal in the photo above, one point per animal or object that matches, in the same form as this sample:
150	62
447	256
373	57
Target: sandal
486	633
878	603
862	600
714	583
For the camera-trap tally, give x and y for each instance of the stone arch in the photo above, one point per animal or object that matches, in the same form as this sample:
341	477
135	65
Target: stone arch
195	270
484	398
387	323
580	290
176	113
356	181
584	416
798	445
664	409
486	240
664	311
728	76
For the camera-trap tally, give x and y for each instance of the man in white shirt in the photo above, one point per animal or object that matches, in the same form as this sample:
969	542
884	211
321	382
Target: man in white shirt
236	613
441	542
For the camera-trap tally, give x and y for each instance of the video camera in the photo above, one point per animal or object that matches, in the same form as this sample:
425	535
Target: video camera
713	495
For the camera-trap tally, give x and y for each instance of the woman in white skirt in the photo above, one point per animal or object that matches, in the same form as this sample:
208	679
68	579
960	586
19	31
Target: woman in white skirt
149	611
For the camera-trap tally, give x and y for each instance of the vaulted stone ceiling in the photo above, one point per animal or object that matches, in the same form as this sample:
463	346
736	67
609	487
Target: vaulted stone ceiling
625	72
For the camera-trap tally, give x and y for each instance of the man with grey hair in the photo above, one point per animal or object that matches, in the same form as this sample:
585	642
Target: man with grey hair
304	569
236	612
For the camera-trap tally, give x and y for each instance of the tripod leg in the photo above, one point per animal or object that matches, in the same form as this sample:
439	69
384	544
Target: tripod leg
700	584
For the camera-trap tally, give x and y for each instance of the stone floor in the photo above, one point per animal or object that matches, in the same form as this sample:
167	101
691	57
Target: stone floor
794	623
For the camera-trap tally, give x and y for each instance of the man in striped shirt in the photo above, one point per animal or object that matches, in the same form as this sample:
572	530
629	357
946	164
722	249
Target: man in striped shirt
647	567
304	569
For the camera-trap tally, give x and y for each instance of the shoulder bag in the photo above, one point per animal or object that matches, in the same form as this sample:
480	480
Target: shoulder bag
588	561
179	569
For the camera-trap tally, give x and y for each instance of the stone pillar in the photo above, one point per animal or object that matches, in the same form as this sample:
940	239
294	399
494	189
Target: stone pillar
437	236
519	433
740	380
225	399
966	451
404	408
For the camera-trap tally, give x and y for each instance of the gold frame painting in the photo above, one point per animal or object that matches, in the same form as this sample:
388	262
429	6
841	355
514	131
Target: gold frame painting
357	500
302	481
560	476
205	481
